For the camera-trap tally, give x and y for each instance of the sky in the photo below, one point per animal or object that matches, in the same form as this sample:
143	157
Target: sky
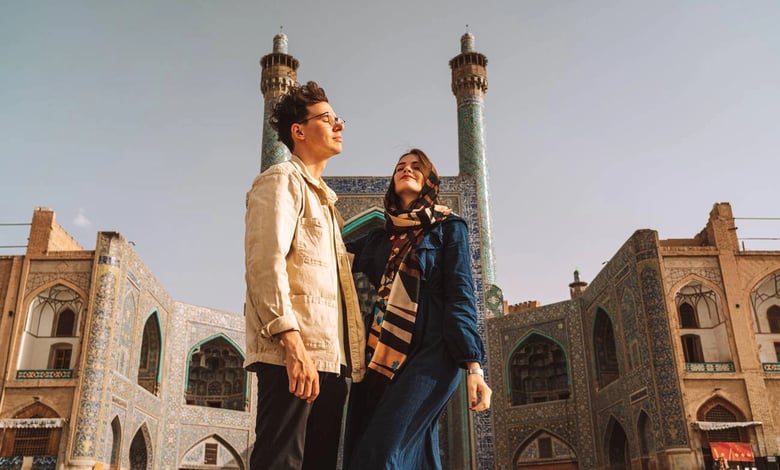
602	118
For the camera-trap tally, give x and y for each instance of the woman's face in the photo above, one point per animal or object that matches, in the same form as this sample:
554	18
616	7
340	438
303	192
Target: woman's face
408	178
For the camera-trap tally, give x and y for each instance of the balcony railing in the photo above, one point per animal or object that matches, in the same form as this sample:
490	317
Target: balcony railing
36	374
771	367
709	367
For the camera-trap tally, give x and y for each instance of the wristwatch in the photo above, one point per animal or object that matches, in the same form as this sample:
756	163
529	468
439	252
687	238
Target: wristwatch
476	370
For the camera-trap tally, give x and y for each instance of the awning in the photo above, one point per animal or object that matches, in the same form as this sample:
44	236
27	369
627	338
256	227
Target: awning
732	451
718	425
32	423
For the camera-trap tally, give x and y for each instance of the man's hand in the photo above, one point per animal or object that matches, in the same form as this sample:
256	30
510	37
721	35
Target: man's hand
303	376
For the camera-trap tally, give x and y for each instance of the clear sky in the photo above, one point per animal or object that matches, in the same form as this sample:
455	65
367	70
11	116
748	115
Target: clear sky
602	117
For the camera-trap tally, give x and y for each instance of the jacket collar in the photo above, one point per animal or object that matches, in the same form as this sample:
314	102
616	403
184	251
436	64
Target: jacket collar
317	183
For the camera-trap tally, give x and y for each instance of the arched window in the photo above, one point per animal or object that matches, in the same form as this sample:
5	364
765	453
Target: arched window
538	372
605	353
116	443
617	446
692	348
721	414
65	323
688	317
773	316
216	376
151	349
34	441
53	313
646	438
545	450
698	306
139	450
211	452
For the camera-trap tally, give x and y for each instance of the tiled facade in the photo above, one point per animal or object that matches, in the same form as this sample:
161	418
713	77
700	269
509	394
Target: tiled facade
656	403
120	295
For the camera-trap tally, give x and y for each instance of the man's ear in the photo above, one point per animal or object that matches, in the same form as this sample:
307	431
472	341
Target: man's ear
296	131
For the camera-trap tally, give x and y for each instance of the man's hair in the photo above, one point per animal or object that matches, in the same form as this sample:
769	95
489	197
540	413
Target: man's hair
292	108
391	198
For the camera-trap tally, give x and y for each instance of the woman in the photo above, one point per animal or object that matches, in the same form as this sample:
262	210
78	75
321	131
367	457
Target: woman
422	330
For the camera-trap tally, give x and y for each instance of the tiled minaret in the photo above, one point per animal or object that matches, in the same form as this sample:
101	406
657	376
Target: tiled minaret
469	84
279	72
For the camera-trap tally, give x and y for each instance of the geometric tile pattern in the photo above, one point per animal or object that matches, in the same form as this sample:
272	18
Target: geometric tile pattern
629	290
356	195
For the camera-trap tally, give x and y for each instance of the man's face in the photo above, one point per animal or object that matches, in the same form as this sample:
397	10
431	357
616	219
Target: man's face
321	131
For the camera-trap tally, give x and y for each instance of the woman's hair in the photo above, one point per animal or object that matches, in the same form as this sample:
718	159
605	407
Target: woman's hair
292	108
391	198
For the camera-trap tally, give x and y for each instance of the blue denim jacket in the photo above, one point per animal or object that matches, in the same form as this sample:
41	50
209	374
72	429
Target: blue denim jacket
446	310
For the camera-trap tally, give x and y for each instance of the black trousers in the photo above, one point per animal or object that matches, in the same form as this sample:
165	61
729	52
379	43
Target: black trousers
293	434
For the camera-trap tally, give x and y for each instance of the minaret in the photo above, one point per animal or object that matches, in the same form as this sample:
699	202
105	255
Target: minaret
279	72
469	84
577	287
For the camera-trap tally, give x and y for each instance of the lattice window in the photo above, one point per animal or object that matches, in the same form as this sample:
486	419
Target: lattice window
31	441
721	414
210	457
60	357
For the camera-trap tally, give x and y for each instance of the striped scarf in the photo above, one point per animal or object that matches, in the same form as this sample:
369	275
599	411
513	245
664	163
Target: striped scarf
395	311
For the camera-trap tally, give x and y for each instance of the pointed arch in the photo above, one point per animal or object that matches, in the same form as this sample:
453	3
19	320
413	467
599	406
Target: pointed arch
545	448
212	450
617	447
719	409
215	374
644	428
363	222
537	370
33	441
141	451
54	315
151	354
700	302
116	444
604	349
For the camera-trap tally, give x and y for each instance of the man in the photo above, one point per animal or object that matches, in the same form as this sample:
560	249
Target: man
303	325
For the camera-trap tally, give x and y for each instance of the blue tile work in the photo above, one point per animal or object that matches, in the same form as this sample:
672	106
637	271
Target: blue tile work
125	294
473	162
569	420
358	193
93	408
629	290
273	150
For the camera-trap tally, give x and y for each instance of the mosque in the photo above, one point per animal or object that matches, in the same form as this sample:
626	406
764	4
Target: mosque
668	359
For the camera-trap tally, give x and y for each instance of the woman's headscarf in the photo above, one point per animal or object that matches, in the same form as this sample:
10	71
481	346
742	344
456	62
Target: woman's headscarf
395	311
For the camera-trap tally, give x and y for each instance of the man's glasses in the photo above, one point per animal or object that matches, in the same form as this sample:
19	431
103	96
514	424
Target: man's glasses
332	120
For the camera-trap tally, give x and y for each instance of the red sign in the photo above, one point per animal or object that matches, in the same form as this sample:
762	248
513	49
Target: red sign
732	451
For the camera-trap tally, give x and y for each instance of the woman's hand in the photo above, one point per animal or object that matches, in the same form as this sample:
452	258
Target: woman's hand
478	390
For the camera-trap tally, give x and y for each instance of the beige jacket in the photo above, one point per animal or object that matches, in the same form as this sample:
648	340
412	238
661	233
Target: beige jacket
291	225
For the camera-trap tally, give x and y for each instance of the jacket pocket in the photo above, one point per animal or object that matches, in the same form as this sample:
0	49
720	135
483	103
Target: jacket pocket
312	241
